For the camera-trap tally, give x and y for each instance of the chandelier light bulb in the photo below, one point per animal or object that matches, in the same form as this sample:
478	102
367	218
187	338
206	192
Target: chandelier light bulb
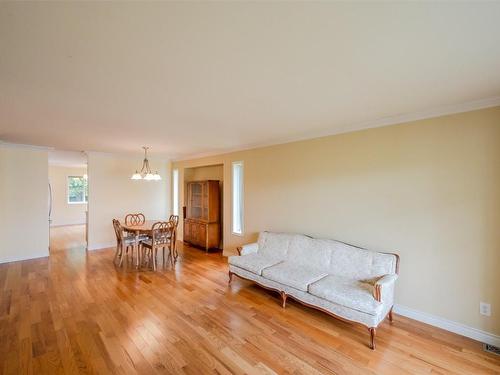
136	176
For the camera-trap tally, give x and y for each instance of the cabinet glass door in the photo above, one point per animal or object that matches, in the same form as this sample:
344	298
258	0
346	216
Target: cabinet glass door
196	200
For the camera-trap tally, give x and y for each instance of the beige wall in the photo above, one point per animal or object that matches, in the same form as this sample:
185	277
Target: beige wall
428	190
209	172
112	194
64	213
24	219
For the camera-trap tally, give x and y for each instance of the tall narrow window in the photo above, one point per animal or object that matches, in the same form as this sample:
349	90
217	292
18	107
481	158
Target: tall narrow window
238	197
175	192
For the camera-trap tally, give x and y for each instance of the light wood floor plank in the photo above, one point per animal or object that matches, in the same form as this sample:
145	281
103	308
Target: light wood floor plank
76	312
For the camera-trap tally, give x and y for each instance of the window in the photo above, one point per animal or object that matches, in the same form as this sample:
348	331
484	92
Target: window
238	197
77	189
175	192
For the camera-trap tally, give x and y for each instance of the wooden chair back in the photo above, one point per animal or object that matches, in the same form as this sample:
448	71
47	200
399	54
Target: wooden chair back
175	219
162	233
135	219
118	230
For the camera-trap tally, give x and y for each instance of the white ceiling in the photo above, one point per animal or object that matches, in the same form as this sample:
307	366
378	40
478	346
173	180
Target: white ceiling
189	78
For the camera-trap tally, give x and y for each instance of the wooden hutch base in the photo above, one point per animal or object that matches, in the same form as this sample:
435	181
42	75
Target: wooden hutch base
202	219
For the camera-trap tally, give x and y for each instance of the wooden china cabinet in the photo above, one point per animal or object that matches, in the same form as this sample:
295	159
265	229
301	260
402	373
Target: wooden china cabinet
202	220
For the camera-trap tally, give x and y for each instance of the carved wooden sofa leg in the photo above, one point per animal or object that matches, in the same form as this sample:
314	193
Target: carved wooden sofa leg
373	332
390	315
230	277
283	299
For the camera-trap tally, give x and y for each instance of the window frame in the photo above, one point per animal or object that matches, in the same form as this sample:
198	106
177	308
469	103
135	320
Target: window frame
175	191
85	195
241	200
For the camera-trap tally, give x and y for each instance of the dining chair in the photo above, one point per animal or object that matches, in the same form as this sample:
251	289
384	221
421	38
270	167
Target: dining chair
175	220
121	241
161	237
135	219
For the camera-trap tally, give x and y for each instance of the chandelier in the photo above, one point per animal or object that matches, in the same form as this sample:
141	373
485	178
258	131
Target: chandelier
145	173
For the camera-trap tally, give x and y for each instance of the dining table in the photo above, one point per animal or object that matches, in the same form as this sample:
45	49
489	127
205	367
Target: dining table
145	228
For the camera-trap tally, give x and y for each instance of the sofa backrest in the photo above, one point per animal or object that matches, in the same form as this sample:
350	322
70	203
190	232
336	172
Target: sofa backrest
274	245
311	252
360	264
330	256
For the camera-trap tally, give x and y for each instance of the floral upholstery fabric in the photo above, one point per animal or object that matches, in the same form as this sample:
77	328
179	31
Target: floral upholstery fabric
387	283
328	274
274	245
249	248
339	310
347	292
336	257
129	240
293	274
360	264
253	262
309	251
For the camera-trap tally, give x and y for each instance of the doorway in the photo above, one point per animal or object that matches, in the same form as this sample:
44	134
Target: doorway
68	200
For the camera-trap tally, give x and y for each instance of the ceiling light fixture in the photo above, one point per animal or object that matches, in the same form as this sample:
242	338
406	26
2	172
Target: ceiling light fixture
145	173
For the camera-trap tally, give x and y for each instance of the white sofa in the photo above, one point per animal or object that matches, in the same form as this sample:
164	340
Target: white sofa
345	281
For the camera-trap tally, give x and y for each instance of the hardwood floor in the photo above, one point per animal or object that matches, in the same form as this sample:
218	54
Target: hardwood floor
67	237
75	312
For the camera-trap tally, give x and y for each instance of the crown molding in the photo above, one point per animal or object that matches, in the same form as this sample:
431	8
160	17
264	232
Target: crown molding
24	146
377	123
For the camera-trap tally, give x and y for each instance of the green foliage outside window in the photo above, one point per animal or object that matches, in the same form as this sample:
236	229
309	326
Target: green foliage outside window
77	189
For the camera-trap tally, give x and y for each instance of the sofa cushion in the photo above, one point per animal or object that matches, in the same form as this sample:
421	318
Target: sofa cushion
253	262
292	274
310	252
347	292
275	245
360	264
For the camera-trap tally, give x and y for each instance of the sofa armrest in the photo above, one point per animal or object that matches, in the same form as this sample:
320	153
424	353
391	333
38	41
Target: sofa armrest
383	290
248	249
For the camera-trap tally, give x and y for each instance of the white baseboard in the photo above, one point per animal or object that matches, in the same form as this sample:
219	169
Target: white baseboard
100	246
19	258
68	224
448	325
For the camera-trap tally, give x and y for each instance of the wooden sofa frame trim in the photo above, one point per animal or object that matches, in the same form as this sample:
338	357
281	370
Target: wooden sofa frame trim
284	296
